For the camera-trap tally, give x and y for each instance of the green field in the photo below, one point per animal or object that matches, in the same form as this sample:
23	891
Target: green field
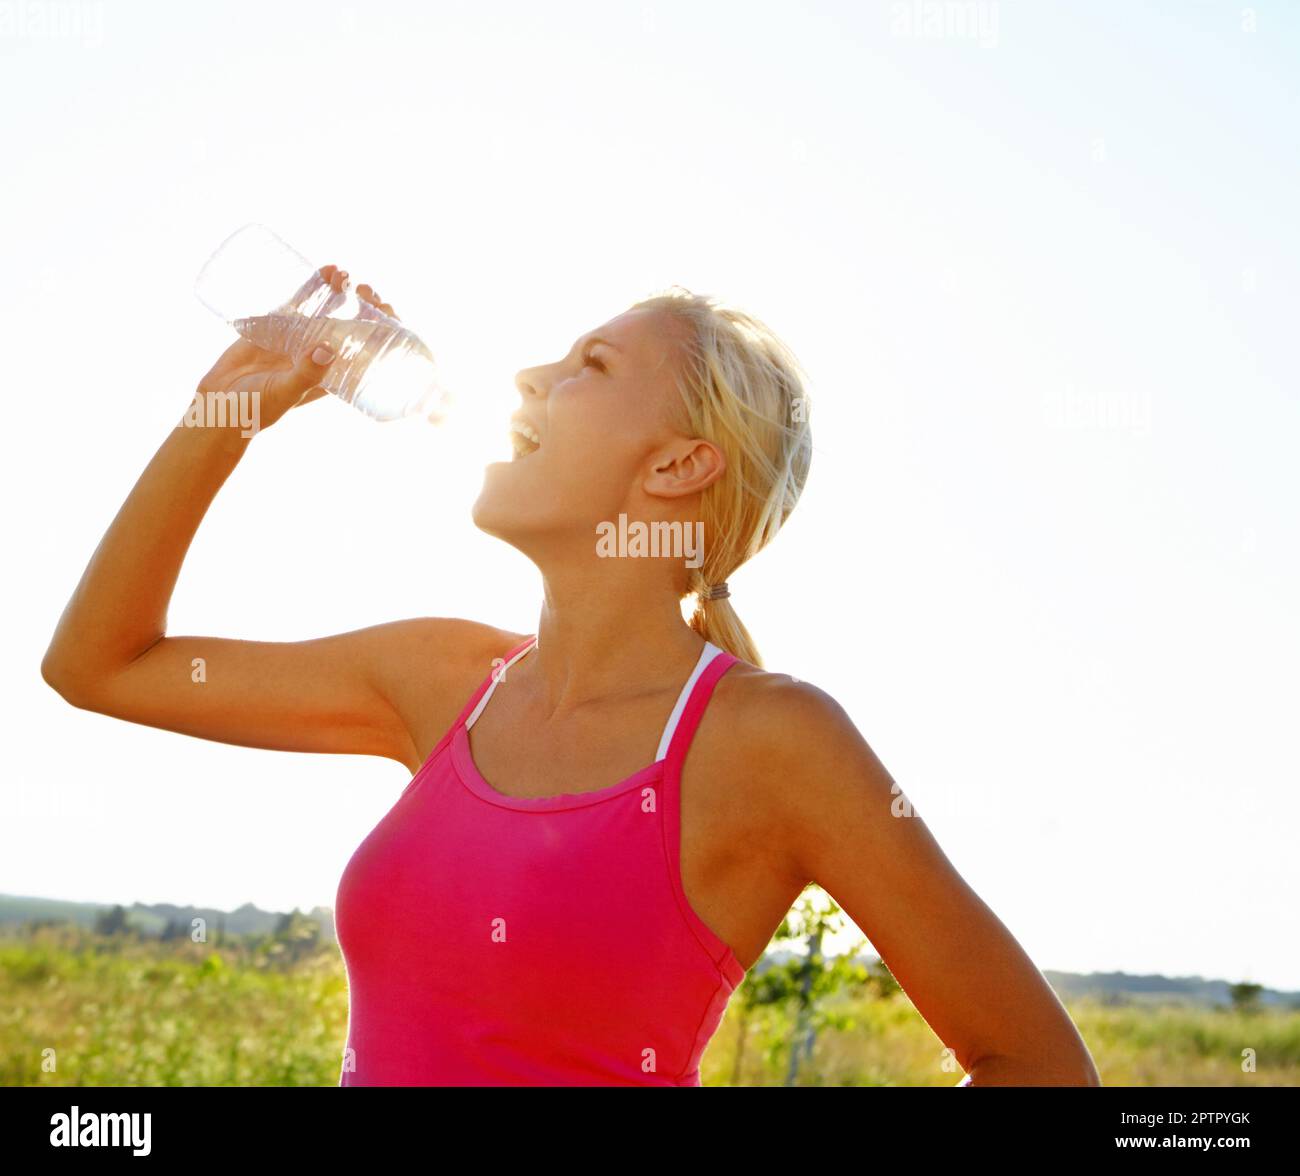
79	1008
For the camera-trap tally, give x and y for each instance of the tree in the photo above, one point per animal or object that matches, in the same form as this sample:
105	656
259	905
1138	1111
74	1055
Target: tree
296	935
803	982
112	921
1245	996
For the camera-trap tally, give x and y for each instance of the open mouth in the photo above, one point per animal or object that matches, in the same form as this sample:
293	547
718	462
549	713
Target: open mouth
524	439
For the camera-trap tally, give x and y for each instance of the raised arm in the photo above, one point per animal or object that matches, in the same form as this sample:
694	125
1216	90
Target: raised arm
854	832
377	691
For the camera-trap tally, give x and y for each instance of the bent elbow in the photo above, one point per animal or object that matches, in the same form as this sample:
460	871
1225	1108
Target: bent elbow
53	672
69	686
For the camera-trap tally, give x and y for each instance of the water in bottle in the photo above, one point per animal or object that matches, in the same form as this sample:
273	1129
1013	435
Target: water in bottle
381	366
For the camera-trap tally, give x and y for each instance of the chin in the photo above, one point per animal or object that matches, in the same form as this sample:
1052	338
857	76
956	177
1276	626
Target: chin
496	509
486	507
519	504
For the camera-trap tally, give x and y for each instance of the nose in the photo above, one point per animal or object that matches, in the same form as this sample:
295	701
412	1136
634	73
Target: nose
529	383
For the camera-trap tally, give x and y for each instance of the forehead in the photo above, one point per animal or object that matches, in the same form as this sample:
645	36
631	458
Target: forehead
649	335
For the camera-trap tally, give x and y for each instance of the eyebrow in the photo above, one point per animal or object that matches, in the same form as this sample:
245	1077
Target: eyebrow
592	340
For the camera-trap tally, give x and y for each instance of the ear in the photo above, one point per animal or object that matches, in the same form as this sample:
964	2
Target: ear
685	467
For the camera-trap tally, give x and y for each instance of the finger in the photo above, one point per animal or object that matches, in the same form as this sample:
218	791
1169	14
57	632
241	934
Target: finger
335	276
369	300
305	375
368	293
307	300
338	280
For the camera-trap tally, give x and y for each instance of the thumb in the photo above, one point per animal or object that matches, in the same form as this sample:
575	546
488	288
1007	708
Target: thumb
306	374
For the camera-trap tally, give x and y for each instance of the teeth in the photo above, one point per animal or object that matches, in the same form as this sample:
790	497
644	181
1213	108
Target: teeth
524	439
527	430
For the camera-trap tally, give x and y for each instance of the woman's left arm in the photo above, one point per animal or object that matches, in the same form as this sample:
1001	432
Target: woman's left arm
849	827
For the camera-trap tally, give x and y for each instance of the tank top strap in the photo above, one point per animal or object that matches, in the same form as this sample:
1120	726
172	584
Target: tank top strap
479	699
677	736
476	702
714	662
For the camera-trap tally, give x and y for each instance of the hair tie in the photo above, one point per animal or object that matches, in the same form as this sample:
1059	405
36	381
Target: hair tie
716	592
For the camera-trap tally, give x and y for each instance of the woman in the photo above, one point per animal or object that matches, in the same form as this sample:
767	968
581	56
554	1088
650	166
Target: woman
572	896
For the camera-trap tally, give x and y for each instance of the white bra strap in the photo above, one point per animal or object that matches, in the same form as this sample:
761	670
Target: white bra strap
497	675
707	654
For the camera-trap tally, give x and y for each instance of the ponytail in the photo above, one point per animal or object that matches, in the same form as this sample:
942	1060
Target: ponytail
717	621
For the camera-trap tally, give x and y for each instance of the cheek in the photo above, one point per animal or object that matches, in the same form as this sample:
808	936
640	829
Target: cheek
597	473
600	444
591	431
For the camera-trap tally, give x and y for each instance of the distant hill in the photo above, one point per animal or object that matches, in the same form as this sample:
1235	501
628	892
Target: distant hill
1107	987
150	919
1123	988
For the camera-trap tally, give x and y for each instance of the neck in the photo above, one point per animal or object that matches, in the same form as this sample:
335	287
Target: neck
616	633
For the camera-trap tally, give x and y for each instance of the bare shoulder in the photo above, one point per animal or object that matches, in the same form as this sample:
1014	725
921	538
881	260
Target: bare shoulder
438	646
777	717
429	666
800	755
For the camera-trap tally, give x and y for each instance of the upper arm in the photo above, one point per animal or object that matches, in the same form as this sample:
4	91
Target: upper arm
853	831
372	691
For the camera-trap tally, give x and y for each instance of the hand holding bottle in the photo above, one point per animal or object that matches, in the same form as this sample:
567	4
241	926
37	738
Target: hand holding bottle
271	376
380	367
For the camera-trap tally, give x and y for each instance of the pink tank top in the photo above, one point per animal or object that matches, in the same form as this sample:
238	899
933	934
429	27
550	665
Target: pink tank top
492	940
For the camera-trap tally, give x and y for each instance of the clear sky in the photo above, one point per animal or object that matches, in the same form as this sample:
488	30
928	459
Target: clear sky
1042	270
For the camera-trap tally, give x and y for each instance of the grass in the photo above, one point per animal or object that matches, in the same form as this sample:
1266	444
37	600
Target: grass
86	1010
83	1009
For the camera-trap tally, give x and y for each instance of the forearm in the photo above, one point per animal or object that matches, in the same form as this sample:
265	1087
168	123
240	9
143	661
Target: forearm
119	608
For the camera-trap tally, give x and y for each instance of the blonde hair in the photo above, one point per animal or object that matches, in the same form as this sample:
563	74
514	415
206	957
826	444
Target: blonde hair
744	390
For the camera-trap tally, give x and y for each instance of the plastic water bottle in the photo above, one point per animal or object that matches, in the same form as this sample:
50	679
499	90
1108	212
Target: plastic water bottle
382	367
